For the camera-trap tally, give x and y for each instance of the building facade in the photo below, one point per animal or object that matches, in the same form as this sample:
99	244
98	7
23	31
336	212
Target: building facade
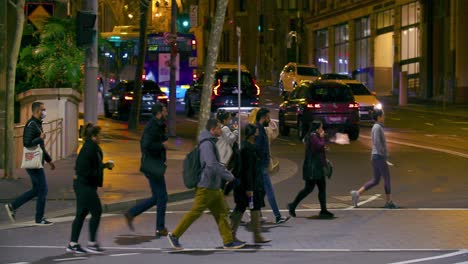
375	41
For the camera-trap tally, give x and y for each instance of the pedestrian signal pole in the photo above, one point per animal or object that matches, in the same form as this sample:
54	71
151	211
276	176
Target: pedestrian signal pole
239	85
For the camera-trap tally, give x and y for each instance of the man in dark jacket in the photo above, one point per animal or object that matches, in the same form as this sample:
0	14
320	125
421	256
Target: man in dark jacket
34	135
153	149
263	147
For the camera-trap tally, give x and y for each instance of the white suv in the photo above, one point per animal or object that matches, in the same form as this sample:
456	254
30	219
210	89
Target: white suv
293	73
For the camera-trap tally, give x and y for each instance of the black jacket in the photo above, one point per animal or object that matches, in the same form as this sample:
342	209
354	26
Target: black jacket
153	137
250	176
32	136
263	145
89	167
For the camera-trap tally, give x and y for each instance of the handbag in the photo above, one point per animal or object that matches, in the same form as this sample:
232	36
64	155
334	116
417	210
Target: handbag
328	169
32	158
153	169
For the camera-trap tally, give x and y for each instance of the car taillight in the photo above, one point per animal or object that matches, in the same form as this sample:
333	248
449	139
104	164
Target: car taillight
353	105
256	86
314	106
216	88
128	98
162	97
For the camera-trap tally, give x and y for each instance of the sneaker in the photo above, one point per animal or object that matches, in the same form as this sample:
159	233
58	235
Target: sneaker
75	249
281	219
43	222
355	198
263	219
234	245
390	205
129	220
292	210
10	212
160	233
326	214
96	249
174	241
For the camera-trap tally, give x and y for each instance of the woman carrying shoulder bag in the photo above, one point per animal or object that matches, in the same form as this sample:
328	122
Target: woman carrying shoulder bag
313	171
89	176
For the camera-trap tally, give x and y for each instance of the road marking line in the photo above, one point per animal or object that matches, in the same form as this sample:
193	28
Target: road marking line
19	263
464	262
372	198
456	153
457	251
429	124
124	254
460	252
69	259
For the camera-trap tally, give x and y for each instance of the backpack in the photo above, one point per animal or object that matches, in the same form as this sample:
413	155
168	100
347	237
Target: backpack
192	167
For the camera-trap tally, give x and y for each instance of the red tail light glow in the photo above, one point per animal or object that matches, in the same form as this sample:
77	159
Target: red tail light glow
162	97
128	98
314	106
353	105
216	88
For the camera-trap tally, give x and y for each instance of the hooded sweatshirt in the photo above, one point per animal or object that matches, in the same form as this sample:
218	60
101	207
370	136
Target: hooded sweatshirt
213	171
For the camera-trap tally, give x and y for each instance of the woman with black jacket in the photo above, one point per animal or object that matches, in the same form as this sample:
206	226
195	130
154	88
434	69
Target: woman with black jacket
313	169
250	191
89	176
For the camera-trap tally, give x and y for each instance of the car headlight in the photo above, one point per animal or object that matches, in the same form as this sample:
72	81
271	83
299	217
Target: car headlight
378	106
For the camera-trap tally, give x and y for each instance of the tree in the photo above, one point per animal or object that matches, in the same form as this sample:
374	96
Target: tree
118	6
10	122
212	56
134	118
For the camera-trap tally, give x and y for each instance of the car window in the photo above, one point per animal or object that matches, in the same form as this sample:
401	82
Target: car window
230	78
359	89
308	71
331	93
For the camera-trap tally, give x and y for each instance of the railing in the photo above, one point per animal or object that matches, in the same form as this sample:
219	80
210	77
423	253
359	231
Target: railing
53	141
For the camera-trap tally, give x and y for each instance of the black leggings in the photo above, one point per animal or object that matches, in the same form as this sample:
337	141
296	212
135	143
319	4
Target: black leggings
308	188
87	201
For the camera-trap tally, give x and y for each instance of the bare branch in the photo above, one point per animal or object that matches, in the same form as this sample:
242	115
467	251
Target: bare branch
11	3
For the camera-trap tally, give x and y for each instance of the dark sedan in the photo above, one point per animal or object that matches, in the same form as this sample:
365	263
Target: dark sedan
118	101
331	102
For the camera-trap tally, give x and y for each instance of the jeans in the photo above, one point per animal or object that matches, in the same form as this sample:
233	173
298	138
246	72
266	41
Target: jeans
87	201
214	201
159	198
270	193
39	189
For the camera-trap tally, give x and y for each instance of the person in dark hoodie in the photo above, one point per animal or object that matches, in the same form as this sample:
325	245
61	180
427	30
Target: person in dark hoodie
34	135
208	193
89	176
250	191
153	145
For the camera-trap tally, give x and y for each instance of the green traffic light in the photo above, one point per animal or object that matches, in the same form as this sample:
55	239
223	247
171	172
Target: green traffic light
185	23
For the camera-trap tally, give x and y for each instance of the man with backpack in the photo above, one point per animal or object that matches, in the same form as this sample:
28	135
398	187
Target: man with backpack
208	193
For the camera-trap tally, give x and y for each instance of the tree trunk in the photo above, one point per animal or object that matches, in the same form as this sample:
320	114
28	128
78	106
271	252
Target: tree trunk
212	56
134	118
172	76
10	154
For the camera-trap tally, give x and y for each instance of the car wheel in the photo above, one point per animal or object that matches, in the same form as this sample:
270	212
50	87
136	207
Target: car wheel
283	129
300	129
353	133
188	108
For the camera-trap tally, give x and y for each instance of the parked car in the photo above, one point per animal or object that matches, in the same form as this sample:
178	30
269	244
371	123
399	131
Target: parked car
224	91
366	99
331	102
293	73
118	101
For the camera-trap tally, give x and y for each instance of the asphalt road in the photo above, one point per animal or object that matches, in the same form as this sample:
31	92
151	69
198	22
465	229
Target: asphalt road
429	183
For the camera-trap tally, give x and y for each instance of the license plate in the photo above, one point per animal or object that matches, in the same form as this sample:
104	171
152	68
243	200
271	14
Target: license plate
335	119
147	98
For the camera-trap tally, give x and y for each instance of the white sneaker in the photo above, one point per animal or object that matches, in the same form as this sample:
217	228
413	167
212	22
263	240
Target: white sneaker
10	212
355	198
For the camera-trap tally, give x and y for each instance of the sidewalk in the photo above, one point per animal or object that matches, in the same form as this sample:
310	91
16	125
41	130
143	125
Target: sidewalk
123	186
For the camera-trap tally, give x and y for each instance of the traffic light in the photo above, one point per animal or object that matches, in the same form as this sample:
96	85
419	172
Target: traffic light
183	23
85	33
